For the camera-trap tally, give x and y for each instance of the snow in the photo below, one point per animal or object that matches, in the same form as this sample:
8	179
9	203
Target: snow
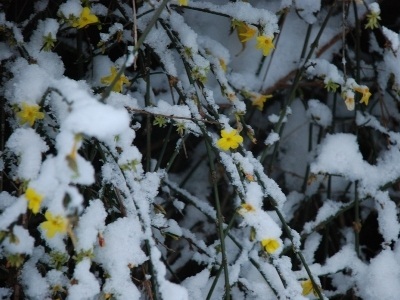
392	37
35	285
88	156
319	112
380	279
28	84
87	286
271	139
339	154
12	212
307	9
328	209
195	285
71	7
91	224
29	146
21	242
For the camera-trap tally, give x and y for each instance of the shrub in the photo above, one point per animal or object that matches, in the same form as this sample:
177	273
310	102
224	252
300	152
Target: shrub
176	149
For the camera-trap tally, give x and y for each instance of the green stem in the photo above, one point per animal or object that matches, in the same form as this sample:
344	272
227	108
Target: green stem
175	153
191	172
148	125
280	125
219	220
164	147
310	136
202	10
210	292
357	223
135	49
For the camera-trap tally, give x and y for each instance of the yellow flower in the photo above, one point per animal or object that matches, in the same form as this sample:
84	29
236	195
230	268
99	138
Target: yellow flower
86	18
54	224
365	94
245	32
34	200
29	114
109	79
246	208
349	101
373	20
259	100
307	287
183	2
229	139
265	44
270	245
348	97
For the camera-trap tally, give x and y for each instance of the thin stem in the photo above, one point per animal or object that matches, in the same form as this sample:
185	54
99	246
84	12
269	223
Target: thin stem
148	124
280	124
164	147
310	145
135	49
175	153
214	284
357	224
202	10
219	219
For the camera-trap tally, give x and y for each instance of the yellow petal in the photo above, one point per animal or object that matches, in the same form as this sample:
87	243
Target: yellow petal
265	44
307	287
34	200
270	245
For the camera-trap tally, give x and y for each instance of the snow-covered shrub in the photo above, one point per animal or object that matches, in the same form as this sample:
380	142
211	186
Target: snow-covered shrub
190	149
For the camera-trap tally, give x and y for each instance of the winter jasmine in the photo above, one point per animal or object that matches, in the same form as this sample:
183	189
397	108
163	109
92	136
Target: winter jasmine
348	97
373	20
229	139
160	121
270	245
365	94
86	18
265	44
180	128
331	86
15	260
48	42
34	200
29	114
246	207
54	224
259	100
307	287
245	32
110	78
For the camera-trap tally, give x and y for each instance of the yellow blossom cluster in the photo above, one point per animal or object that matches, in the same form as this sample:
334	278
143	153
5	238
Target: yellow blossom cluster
246	32
349	95
269	245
